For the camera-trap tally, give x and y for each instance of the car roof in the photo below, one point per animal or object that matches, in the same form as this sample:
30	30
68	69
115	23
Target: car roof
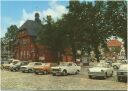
35	62
66	62
15	60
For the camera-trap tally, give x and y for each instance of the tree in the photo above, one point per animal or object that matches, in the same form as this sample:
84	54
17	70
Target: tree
86	26
52	36
116	16
71	26
8	42
11	36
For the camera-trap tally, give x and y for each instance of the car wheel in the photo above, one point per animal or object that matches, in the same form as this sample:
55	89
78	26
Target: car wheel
11	69
45	72
118	79
29	70
36	73
54	74
16	69
23	71
111	74
77	72
105	76
115	67
64	73
90	77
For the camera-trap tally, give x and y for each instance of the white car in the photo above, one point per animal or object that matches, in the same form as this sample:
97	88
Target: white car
8	65
30	66
101	70
66	68
116	65
122	73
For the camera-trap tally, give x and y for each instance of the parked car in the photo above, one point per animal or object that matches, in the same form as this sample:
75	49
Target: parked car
122	73
30	66
100	70
16	67
116	65
3	64
44	68
66	68
7	65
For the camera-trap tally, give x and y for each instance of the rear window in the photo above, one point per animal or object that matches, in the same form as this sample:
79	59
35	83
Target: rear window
38	63
25	63
54	64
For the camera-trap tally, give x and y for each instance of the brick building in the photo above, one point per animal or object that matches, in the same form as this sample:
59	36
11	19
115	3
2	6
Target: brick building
114	46
26	46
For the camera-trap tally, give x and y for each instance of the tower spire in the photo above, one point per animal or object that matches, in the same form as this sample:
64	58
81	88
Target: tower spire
37	18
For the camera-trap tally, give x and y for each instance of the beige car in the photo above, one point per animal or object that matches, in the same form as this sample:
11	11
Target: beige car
30	66
8	65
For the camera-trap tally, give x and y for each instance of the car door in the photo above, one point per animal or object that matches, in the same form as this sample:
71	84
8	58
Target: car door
109	70
74	66
70	68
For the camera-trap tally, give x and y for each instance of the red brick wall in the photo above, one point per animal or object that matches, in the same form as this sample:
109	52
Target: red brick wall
32	51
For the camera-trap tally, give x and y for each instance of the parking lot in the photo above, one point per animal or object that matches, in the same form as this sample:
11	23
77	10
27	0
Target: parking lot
29	81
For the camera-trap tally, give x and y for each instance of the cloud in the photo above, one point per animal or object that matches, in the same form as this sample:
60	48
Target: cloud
55	10
5	23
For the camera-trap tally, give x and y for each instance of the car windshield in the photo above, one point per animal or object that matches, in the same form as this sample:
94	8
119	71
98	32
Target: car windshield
101	65
15	62
63	64
24	63
38	63
43	64
30	64
124	67
47	64
121	61
18	63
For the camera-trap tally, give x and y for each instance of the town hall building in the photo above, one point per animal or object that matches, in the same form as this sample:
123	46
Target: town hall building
26	46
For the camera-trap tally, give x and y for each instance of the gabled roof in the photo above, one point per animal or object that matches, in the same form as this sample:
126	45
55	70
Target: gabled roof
114	42
31	27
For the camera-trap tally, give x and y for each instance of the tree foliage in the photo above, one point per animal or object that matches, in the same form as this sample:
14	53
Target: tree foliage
86	26
116	16
10	36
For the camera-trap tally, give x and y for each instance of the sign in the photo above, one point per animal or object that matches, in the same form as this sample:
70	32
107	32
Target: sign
42	58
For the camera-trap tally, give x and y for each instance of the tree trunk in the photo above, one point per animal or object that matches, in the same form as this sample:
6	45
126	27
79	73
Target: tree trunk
74	52
55	56
97	52
59	56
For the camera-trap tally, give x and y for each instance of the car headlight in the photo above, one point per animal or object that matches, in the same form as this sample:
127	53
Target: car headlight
118	73
102	71
59	69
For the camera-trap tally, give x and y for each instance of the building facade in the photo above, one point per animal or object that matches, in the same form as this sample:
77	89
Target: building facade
114	46
28	49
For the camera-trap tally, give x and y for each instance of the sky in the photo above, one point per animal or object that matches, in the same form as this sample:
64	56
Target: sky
17	12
